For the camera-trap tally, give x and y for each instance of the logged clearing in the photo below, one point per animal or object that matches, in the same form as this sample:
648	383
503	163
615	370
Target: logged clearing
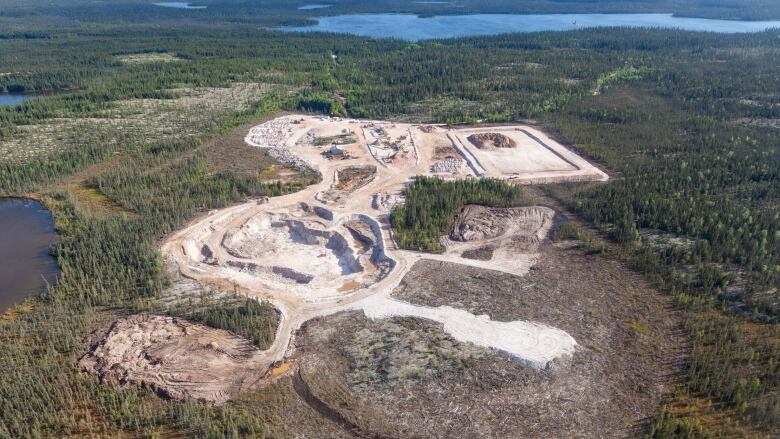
136	122
406	377
148	58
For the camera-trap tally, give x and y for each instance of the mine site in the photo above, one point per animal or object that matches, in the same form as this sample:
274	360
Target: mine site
521	219
364	326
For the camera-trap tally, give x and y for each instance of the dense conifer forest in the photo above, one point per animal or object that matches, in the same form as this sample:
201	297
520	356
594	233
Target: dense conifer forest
687	125
431	204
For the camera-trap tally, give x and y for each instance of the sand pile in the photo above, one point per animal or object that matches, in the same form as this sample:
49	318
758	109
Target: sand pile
176	357
491	141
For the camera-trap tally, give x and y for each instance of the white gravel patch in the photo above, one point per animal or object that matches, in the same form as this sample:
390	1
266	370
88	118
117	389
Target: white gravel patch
531	343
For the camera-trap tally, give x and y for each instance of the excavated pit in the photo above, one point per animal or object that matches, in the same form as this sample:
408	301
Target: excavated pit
346	181
270	242
297	250
503	238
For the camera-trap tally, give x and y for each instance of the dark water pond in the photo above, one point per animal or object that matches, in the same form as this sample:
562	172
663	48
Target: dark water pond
179	5
14	99
414	28
26	234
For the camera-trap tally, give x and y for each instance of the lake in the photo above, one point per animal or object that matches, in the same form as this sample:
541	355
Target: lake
179	5
414	28
14	99
26	234
313	6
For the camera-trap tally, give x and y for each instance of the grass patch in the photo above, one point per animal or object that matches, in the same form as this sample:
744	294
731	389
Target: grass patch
342	139
148	58
17	311
588	242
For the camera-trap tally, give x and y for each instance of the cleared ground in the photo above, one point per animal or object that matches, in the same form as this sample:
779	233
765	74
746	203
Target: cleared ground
177	358
136	122
405	377
523	154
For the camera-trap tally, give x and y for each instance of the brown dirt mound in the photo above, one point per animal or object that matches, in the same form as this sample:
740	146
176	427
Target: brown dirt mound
441	152
476	223
491	141
352	178
175	357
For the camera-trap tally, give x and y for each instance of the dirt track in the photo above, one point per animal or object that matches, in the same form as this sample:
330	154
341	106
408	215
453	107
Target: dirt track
402	152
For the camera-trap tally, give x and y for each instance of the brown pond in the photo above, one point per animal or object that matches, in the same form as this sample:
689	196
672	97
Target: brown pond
26	264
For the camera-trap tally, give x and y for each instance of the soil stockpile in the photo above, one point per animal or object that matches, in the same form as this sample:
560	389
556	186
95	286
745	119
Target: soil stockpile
491	141
352	178
475	223
176	357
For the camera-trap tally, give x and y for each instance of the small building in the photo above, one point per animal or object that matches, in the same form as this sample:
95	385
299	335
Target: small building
336	150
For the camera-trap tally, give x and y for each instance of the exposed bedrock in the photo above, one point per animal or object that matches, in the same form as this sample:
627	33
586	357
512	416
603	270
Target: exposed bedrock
479	222
259	270
323	213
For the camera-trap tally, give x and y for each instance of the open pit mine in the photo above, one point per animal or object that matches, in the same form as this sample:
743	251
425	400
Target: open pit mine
329	248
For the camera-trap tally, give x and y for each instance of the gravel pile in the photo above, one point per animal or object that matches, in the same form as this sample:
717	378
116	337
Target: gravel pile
286	157
447	166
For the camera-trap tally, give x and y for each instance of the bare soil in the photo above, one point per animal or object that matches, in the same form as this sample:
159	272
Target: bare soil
175	357
445	151
484	253
407	378
352	178
491	141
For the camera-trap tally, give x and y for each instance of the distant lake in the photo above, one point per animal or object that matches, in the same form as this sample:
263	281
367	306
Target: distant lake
14	98
414	28
26	234
313	6
179	5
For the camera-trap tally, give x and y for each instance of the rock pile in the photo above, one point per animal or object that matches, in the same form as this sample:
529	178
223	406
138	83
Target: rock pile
447	166
286	157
